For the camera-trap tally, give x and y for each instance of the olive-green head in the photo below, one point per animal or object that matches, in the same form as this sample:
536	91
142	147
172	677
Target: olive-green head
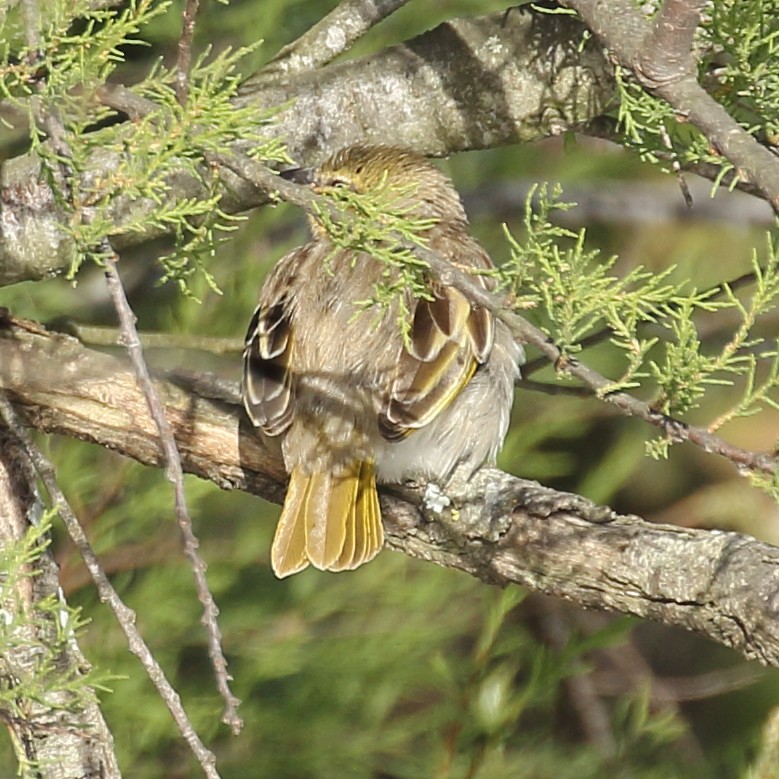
410	181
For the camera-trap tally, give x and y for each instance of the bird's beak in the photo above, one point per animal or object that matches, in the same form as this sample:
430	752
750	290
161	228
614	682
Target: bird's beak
298	175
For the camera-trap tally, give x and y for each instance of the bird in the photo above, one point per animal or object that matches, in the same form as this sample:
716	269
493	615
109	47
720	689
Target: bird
349	399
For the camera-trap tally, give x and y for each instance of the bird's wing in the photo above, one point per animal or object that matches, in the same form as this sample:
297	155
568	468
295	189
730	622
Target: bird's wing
268	387
450	337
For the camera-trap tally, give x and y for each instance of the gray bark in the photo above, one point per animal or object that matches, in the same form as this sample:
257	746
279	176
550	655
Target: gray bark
59	734
467	84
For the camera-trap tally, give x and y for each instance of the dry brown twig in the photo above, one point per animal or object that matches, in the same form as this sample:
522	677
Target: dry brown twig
184	50
174	470
175	475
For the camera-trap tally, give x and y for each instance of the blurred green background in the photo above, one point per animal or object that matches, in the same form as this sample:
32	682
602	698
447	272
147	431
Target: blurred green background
401	670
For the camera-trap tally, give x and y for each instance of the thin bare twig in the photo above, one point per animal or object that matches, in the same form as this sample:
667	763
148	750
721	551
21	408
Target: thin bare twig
184	50
523	331
686	688
175	475
100	335
124	615
676	167
331	36
546	388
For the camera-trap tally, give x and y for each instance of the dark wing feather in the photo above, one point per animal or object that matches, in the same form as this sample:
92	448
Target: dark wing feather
481	332
268	390
449	338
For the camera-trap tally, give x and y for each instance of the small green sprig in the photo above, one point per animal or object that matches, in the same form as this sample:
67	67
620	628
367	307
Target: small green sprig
686	370
380	225
736	48
176	139
139	159
740	62
649	320
574	290
69	66
45	633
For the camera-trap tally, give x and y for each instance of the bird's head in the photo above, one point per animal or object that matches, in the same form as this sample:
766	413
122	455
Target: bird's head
410	181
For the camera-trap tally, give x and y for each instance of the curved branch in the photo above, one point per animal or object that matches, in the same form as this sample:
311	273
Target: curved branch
330	37
655	55
468	84
499	528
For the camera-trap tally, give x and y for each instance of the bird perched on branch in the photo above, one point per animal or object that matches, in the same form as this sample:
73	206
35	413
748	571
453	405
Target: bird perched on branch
352	398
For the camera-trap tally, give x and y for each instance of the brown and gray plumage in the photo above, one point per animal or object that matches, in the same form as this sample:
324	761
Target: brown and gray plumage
349	401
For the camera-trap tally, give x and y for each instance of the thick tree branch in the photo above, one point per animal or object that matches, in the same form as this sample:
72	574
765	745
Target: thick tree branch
468	84
500	529
102	403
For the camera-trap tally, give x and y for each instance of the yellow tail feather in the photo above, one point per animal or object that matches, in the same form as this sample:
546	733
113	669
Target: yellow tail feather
332	522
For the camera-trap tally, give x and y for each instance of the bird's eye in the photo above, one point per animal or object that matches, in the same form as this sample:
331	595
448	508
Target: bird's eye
332	181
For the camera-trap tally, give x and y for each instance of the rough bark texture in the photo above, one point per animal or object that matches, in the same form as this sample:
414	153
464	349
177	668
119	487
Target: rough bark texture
57	735
499	528
62	387
721	585
467	84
